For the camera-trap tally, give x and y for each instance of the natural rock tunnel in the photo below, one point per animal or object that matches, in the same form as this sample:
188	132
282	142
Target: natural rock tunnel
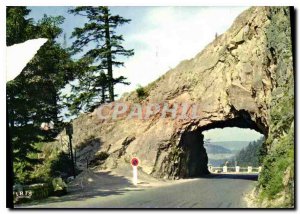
235	80
189	158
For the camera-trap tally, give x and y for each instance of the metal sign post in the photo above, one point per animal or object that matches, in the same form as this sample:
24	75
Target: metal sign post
135	177
135	163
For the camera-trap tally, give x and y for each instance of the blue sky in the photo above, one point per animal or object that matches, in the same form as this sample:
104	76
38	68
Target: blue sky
161	38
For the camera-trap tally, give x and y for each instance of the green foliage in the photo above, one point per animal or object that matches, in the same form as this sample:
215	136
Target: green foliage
141	93
33	97
95	77
59	186
249	156
61	165
276	165
22	170
18	27
58	164
37	192
277	177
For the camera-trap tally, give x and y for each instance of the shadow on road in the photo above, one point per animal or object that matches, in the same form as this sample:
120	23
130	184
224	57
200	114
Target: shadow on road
97	184
253	177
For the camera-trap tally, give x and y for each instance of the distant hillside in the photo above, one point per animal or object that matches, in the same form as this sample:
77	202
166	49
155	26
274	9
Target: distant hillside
249	156
216	149
217	162
234	146
218	155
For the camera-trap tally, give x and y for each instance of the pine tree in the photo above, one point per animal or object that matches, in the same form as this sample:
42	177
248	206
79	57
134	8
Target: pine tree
99	60
249	156
18	27
33	97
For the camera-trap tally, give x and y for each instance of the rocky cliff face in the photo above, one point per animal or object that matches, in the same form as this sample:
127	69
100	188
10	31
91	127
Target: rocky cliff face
236	81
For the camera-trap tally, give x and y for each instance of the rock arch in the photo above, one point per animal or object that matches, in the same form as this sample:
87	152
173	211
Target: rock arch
190	158
235	80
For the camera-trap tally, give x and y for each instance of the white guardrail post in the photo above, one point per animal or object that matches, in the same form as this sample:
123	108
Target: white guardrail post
259	169
237	169
249	169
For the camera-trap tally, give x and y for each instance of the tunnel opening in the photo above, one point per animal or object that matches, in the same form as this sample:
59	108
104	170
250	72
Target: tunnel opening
194	158
236	149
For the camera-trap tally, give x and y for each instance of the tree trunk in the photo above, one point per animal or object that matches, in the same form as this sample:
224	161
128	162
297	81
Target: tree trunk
109	57
103	94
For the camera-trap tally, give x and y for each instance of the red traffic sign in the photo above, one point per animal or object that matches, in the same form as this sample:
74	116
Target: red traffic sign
134	162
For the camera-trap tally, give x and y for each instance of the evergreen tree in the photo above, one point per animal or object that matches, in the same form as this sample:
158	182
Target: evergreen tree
99	60
249	156
33	97
19	28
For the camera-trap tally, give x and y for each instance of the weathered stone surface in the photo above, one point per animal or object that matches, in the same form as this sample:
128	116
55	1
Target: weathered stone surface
234	80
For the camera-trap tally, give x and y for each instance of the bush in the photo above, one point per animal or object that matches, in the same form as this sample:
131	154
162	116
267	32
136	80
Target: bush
58	165
59	187
61	166
22	172
277	177
141	92
32	192
275	165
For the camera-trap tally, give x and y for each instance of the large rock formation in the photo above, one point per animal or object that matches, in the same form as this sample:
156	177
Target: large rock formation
235	81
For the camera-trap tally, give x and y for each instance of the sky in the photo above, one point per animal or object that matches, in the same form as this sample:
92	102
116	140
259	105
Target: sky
161	37
232	134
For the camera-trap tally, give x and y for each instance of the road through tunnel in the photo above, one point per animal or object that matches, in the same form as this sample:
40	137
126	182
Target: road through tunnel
194	158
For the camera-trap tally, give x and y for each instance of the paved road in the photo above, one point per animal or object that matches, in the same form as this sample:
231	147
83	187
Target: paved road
214	191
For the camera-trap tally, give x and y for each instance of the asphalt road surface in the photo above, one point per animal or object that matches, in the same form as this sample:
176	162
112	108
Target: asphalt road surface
214	191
